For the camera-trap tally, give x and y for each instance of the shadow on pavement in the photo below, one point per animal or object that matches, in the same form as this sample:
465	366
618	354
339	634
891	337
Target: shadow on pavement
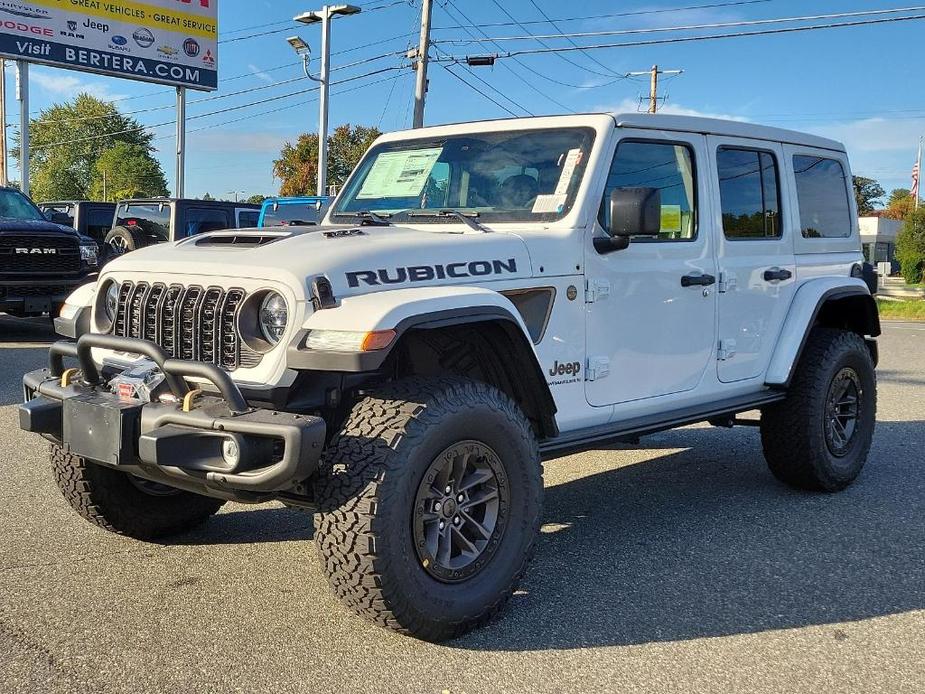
684	547
23	347
262	524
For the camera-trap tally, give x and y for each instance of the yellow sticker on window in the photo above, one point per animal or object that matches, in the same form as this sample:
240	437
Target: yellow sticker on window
671	219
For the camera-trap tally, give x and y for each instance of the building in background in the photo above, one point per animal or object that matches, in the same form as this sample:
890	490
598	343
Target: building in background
878	238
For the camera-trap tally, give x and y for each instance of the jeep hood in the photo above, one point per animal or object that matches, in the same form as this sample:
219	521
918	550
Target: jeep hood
356	260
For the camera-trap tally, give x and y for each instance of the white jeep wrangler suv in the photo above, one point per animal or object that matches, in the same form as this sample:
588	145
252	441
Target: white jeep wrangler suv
480	297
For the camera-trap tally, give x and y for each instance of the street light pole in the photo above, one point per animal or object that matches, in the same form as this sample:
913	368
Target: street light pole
324	16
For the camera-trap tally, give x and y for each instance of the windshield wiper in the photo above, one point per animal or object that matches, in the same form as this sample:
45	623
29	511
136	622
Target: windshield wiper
373	219
469	219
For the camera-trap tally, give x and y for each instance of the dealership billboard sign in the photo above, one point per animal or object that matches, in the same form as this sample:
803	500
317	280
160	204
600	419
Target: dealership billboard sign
171	42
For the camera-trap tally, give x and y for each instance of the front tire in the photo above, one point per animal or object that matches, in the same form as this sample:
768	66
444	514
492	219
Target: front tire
398	548
818	438
126	505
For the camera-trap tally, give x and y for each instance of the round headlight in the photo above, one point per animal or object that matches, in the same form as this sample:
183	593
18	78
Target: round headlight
273	317
111	301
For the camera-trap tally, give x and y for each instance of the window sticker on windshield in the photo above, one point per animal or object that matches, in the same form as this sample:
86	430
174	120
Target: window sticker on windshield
671	218
545	204
399	174
572	159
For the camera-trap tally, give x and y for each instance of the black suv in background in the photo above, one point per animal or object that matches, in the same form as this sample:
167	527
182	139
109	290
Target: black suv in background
140	223
93	219
40	262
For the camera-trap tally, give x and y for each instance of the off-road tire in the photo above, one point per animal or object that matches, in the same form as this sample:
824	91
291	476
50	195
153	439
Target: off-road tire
126	238
109	499
366	489
793	431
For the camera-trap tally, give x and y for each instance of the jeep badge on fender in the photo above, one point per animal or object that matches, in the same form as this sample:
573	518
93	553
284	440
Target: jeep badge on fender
478	298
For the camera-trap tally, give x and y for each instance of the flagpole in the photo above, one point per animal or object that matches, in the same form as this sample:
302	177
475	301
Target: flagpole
919	167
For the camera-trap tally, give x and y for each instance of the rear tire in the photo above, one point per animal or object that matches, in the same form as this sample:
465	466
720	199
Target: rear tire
127	505
818	438
122	240
382	495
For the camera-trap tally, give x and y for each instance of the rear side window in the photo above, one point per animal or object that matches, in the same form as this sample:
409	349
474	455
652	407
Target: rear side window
749	193
99	222
822	189
668	167
248	218
200	220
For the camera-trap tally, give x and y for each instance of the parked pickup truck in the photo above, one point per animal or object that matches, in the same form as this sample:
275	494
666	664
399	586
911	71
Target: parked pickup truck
40	262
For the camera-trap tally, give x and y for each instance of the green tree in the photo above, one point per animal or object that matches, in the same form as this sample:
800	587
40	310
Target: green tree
910	247
127	171
256	199
297	166
208	196
68	139
899	204
867	192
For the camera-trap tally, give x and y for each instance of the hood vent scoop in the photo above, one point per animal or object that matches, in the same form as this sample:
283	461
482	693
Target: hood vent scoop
241	241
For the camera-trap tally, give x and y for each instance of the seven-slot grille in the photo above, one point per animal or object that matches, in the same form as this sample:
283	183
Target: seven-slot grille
22	254
195	323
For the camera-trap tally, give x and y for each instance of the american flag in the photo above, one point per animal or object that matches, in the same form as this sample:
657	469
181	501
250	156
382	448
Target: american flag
915	181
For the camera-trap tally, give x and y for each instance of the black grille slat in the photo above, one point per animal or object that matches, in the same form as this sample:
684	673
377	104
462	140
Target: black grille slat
188	322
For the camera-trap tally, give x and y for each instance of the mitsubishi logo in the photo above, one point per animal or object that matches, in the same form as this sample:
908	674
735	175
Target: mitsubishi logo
36	251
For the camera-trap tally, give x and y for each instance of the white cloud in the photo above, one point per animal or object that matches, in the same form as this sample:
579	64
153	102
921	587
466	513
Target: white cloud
633	105
68	86
260	74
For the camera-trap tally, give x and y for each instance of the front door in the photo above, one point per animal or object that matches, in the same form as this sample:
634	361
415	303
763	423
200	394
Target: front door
651	311
756	262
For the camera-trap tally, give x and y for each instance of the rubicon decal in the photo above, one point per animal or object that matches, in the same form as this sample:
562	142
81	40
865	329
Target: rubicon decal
426	273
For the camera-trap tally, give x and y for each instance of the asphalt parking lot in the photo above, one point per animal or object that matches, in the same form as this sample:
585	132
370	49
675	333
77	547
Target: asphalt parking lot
677	565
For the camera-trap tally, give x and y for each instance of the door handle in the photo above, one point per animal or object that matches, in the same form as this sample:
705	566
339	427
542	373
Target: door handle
777	274
697	280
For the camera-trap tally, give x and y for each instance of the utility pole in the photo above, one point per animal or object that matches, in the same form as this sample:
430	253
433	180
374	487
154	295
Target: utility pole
324	16
22	94
4	169
420	85
653	83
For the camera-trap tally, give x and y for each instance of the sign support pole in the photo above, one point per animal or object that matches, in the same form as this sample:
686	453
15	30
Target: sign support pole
181	143
22	93
4	167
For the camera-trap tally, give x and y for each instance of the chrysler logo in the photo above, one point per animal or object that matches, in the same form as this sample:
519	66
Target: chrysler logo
36	251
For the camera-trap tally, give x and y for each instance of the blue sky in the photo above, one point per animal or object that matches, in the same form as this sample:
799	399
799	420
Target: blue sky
859	85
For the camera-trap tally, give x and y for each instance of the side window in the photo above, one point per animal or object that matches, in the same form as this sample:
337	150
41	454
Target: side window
99	222
667	166
200	220
822	189
749	193
248	218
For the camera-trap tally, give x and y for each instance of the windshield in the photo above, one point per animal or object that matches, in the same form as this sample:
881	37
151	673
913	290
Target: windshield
15	205
505	176
152	218
291	214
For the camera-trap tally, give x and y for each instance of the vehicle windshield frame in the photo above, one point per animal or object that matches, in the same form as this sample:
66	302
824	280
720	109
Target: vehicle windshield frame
586	141
39	215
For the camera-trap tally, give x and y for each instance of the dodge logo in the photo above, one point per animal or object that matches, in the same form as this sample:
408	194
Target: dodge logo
36	251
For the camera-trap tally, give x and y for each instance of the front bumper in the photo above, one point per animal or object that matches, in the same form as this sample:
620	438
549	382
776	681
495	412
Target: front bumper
36	296
220	446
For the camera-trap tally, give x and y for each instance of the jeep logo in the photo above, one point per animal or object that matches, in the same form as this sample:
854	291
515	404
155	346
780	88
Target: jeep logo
425	273
36	251
571	369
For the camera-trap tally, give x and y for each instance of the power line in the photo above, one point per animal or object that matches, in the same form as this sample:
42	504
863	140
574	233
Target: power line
621	14
708	37
446	7
688	27
479	91
497	91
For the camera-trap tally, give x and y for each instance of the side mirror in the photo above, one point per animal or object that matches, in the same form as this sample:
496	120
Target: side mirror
633	212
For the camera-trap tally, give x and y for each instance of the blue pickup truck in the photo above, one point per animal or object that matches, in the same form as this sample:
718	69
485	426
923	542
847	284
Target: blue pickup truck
296	211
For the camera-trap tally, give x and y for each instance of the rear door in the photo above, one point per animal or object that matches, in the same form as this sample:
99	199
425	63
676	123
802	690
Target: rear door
755	253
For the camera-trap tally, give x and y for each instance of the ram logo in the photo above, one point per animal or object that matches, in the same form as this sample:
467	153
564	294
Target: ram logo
36	251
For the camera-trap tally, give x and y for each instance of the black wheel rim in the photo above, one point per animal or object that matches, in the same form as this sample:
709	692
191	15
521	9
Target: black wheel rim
460	511
842	411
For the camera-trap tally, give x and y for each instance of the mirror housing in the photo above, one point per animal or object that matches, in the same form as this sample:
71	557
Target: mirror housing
633	212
